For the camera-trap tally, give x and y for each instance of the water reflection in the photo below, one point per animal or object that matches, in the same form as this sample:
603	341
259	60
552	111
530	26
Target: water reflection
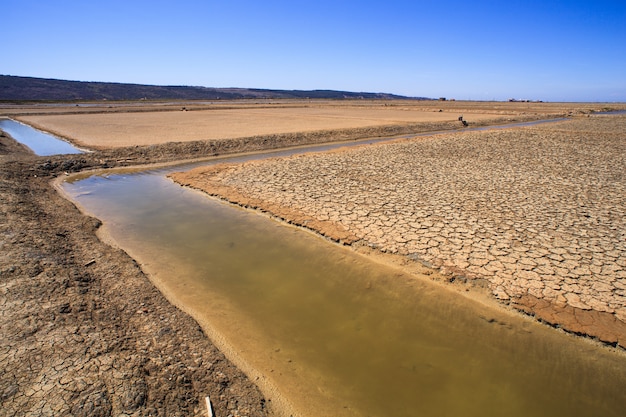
41	143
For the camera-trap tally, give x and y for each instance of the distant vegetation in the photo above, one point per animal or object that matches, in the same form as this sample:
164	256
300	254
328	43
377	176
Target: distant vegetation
14	88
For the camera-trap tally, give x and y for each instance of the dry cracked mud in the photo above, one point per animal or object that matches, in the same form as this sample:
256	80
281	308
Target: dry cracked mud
539	212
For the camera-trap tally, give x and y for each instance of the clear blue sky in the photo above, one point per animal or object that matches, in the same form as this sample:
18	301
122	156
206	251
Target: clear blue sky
481	50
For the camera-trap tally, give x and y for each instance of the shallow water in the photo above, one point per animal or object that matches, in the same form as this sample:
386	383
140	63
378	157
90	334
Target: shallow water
41	143
340	335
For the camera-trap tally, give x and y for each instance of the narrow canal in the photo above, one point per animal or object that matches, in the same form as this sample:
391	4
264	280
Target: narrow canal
41	143
335	333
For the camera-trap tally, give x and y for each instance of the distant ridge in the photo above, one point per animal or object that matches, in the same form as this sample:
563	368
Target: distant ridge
14	88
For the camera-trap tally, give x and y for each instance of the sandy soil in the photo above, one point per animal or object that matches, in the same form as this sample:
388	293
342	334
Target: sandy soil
109	129
84	331
155	128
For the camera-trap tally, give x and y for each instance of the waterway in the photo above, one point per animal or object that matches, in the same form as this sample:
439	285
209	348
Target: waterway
336	333
41	143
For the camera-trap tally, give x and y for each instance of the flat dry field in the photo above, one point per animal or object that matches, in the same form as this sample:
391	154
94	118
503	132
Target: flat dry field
146	128
101	127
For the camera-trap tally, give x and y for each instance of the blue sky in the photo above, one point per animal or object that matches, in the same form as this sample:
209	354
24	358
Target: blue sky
480	50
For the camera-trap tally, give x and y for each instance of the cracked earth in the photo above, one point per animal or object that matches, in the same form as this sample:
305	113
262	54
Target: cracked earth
539	212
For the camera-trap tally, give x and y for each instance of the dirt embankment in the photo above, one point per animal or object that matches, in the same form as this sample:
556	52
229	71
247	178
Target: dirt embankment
84	332
98	127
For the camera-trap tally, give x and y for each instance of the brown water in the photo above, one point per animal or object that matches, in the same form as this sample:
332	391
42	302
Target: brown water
337	334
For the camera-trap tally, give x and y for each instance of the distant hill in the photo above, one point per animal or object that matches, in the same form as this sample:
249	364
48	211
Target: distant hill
13	88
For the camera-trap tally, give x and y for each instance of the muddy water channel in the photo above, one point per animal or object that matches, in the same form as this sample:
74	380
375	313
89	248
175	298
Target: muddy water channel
329	332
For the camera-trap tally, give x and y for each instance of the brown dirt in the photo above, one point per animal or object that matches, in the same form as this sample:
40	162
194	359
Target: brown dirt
558	291
84	331
155	128
120	125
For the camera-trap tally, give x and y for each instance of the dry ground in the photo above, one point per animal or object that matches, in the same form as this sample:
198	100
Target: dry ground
99	127
116	130
84	332
537	212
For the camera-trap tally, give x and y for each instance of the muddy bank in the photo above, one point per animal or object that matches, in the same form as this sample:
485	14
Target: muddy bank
84	332
206	135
